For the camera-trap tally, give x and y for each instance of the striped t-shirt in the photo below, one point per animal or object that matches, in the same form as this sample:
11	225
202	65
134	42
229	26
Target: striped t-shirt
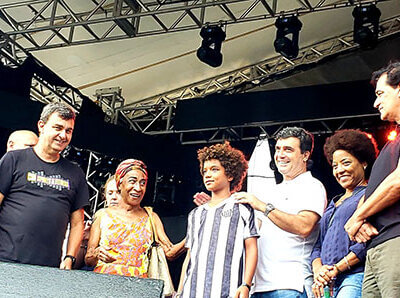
215	237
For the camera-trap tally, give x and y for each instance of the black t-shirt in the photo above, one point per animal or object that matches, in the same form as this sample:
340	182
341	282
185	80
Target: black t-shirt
388	220
38	200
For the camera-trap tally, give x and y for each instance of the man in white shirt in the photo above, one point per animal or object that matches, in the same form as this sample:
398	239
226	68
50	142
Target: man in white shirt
289	216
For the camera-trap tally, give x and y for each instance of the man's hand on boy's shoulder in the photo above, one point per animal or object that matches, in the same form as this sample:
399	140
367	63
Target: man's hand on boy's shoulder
248	198
201	198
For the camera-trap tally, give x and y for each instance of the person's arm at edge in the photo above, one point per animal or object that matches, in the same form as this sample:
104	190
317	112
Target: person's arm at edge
251	252
164	240
74	238
1	198
183	272
341	266
385	195
92	253
176	250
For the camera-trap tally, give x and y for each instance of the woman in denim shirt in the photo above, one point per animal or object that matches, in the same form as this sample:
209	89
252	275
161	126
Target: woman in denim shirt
338	263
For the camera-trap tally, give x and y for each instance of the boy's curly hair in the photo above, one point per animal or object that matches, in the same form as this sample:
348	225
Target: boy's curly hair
231	159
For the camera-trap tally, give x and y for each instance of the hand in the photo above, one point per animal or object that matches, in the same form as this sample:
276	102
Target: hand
66	264
242	292
318	290
165	243
171	253
103	254
352	226
248	198
324	275
201	198
366	232
333	272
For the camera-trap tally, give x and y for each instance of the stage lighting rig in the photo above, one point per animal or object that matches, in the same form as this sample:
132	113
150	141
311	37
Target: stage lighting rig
210	50
287	36
124	24
366	25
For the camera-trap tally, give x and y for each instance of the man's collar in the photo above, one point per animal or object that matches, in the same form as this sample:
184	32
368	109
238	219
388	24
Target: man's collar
299	177
49	158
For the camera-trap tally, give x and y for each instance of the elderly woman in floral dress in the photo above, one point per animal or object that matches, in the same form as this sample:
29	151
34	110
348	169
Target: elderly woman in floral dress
121	237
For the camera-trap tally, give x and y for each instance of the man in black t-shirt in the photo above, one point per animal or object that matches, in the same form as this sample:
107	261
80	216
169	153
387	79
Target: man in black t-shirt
40	192
377	220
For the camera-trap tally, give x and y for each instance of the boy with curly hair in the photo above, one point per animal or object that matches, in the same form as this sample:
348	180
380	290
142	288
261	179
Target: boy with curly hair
222	235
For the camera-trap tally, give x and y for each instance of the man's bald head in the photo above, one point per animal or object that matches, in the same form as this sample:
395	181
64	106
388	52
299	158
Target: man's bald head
21	139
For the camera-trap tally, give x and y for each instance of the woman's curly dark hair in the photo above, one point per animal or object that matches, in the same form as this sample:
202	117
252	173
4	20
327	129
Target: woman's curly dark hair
358	143
231	159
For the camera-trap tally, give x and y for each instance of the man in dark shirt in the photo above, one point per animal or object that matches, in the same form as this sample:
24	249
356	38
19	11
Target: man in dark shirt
40	192
377	220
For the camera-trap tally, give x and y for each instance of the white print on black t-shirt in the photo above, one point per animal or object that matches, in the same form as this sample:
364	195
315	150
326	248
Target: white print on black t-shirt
54	181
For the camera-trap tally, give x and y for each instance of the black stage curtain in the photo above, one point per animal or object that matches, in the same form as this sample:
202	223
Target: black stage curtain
17	110
295	104
94	134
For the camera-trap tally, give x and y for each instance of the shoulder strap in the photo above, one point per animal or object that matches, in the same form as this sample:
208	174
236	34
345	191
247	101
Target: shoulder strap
149	211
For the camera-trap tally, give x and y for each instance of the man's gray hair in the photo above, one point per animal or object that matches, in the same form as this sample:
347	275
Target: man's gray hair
305	137
62	109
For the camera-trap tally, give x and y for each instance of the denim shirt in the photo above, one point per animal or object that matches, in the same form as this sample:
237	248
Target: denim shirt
333	242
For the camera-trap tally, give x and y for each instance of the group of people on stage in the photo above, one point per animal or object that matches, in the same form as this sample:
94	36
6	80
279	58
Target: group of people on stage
284	243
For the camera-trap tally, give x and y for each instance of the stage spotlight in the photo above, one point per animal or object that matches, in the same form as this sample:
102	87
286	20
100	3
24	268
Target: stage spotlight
210	50
366	25
392	135
287	36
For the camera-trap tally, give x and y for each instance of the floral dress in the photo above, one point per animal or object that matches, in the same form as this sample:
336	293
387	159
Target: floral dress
128	243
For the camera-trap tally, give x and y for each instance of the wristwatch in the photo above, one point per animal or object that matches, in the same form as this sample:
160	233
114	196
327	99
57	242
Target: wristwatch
268	209
73	259
246	285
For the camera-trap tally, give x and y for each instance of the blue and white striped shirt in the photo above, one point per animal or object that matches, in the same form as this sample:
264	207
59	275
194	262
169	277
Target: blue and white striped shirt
215	237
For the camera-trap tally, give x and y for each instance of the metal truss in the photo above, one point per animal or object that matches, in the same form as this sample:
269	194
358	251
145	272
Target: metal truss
44	24
46	92
269	129
98	167
154	115
111	101
13	55
94	193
